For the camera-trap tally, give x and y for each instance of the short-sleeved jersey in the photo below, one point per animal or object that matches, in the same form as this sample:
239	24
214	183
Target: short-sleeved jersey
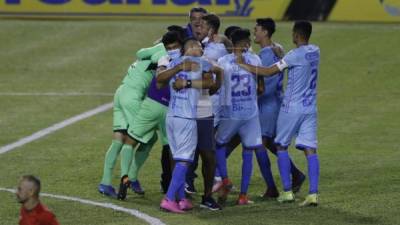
214	50
301	91
273	90
183	103
239	95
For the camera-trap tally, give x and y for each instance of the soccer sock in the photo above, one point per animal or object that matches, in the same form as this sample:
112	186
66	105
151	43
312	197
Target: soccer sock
265	167
126	159
166	165
313	172
247	167
221	161
284	169
140	156
191	173
272	148
181	192
109	161
178	180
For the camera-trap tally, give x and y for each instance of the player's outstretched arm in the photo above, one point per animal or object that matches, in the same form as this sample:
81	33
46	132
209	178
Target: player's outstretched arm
165	75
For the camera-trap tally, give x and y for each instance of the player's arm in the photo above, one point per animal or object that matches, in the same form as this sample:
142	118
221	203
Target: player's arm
219	72
260	70
205	83
278	50
165	75
228	44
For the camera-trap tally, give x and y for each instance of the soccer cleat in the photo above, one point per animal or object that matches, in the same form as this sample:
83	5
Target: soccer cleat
107	190
311	200
170	206
185	204
190	189
123	187
297	182
209	203
224	190
271	193
286	196
136	187
243	200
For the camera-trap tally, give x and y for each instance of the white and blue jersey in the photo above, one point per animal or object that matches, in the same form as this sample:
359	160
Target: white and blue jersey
269	102
239	98
214	51
239	95
298	115
182	112
183	103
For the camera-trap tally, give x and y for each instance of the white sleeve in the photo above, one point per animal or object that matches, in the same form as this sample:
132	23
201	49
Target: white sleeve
281	65
163	61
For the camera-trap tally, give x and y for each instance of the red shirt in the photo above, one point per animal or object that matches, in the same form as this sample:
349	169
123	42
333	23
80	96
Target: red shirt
39	215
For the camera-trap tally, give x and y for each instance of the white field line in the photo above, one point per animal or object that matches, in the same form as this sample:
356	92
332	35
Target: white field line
55	94
55	127
149	219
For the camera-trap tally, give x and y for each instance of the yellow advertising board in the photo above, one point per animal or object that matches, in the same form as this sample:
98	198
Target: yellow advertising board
366	10
140	8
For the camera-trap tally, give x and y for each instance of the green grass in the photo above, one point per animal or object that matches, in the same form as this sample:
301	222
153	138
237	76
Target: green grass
359	104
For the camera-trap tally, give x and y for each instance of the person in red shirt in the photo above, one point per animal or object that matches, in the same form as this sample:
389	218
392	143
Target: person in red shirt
33	212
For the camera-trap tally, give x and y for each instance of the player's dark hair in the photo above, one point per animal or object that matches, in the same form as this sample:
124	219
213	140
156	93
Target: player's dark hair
267	24
180	30
240	35
213	21
35	181
229	30
303	28
197	9
171	37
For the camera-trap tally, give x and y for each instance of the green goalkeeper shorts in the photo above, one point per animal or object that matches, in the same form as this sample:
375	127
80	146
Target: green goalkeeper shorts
126	105
150	117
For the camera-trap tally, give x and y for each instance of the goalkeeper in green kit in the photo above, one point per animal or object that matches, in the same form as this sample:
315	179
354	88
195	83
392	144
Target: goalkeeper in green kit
127	102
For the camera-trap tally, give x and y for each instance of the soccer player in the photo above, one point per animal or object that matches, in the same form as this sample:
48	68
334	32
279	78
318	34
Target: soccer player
150	117
270	100
193	28
240	115
214	48
181	123
298	112
127	101
33	212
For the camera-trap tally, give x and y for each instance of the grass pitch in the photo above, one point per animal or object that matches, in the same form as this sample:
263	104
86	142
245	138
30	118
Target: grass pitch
359	108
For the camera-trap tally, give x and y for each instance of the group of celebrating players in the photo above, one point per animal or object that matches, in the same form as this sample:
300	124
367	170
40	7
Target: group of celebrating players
204	94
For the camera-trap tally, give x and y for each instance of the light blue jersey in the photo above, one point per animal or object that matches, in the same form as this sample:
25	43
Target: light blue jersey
301	91
183	103
270	101
239	95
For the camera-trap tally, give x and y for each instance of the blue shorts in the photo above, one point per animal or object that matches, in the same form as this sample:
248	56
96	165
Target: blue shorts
268	114
249	131
182	138
299	125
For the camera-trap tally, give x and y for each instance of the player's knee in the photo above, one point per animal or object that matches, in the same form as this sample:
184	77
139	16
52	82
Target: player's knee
119	135
310	151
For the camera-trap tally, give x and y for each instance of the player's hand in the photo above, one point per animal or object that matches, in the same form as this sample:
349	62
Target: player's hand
278	51
179	84
189	66
240	59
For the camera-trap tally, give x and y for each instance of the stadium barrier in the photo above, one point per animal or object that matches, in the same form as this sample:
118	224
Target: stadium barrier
321	10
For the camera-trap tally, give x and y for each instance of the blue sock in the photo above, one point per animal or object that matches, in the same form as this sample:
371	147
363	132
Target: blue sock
247	167
221	161
265	167
313	172
181	192
178	180
284	169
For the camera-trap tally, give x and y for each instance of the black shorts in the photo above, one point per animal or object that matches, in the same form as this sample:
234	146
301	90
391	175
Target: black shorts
205	134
